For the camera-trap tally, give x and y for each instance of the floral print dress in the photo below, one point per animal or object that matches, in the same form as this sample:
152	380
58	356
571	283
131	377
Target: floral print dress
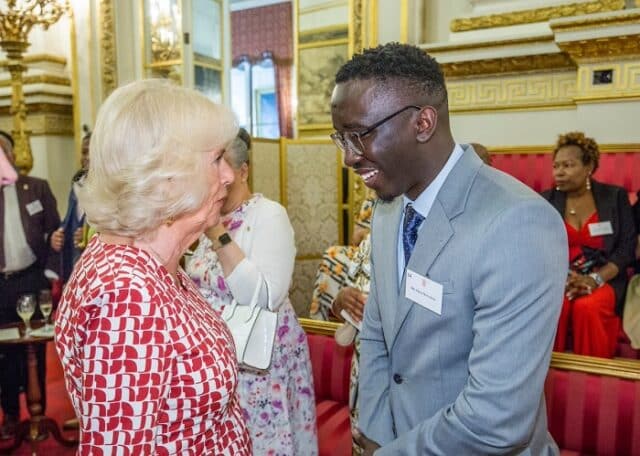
278	405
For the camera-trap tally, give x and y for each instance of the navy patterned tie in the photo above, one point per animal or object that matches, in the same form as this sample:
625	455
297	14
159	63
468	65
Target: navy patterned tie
412	221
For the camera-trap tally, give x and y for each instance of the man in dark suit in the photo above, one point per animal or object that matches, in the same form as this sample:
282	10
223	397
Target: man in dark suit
28	217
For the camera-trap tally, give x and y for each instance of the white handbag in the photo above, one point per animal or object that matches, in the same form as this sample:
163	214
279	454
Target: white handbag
253	329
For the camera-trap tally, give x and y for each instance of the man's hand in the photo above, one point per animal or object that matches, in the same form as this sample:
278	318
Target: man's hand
57	239
368	446
352	300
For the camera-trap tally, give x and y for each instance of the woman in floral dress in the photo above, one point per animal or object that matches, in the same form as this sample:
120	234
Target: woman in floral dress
254	245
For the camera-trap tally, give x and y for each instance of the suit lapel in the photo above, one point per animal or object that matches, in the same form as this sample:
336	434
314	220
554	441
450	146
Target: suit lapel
436	231
385	242
434	234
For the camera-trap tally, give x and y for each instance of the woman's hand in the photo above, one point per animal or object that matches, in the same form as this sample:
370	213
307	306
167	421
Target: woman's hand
352	300
579	285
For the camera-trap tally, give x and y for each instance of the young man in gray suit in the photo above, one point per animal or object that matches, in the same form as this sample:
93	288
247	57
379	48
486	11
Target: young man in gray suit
468	271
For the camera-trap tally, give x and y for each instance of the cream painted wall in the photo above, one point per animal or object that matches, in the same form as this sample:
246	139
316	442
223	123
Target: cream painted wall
314	14
607	123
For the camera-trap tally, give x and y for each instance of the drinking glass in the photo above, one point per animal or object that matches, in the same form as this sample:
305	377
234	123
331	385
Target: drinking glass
46	306
25	307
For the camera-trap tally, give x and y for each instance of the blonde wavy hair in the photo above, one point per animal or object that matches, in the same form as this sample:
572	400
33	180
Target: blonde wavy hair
146	156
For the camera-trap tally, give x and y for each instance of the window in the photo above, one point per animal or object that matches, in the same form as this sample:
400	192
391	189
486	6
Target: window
253	95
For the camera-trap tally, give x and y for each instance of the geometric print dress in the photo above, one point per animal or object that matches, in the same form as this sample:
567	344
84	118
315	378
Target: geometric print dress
149	367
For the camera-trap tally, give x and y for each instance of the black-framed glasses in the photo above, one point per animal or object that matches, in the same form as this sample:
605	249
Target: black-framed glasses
352	140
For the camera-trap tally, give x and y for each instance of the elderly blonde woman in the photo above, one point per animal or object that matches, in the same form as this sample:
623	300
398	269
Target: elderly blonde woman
149	367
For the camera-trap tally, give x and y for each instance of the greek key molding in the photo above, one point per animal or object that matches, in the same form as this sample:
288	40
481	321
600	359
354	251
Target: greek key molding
516	92
108	53
534	15
625	82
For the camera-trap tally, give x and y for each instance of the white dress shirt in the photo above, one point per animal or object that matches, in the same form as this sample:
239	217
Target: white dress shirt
424	201
17	253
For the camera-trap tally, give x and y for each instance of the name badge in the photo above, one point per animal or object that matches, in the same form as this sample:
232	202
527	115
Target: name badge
600	228
424	291
34	207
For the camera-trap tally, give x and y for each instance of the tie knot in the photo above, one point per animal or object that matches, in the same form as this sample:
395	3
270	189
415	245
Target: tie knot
412	218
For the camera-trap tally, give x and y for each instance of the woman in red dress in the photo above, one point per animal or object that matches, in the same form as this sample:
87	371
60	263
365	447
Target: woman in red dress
149	367
602	237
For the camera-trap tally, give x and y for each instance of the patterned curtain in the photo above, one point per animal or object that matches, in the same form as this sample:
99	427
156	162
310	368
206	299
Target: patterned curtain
268	28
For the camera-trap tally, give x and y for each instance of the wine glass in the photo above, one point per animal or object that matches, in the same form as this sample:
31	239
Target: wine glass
25	307
46	306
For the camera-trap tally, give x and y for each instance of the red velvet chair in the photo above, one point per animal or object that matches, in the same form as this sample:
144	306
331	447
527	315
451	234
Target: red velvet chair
331	366
594	414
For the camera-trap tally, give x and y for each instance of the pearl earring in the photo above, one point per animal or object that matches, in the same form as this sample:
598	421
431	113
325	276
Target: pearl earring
588	184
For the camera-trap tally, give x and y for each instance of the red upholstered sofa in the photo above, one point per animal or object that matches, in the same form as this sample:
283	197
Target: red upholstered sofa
593	404
331	371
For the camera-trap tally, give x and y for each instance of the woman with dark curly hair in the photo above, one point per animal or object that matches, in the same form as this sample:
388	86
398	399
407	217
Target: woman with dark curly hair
602	238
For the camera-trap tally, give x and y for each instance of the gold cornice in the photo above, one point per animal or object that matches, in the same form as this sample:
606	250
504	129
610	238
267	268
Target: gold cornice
535	15
625	17
40	79
601	48
518	64
108	56
621	368
453	47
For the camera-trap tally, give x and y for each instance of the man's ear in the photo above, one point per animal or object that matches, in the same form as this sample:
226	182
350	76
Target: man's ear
426	124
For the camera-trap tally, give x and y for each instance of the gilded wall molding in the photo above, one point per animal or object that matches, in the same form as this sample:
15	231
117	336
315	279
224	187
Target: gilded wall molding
603	48
108	53
625	17
516	64
41	123
40	79
533	91
534	15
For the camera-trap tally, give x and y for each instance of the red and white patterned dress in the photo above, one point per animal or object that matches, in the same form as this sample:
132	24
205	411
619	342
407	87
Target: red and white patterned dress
149	367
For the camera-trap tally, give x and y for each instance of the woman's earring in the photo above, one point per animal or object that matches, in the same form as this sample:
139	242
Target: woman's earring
169	221
557	188
588	183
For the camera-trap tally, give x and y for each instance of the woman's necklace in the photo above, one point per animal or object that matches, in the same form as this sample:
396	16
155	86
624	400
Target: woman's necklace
572	211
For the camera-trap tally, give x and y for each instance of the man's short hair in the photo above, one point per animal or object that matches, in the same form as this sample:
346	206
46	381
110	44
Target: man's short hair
395	61
8	137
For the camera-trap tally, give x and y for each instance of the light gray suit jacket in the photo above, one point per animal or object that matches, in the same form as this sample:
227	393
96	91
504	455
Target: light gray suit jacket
468	381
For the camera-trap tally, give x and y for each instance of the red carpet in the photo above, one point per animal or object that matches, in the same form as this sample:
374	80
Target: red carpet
58	407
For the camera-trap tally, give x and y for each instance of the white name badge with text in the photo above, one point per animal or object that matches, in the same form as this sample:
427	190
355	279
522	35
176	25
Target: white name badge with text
600	228
34	207
424	291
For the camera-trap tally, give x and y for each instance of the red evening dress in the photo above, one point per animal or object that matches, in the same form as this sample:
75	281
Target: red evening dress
592	318
149	367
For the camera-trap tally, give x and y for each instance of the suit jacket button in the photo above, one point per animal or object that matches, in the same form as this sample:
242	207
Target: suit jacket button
397	378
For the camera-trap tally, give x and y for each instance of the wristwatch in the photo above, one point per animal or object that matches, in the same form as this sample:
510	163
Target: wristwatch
221	241
598	278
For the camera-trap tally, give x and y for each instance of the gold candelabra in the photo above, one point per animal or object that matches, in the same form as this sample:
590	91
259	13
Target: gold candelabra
17	19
